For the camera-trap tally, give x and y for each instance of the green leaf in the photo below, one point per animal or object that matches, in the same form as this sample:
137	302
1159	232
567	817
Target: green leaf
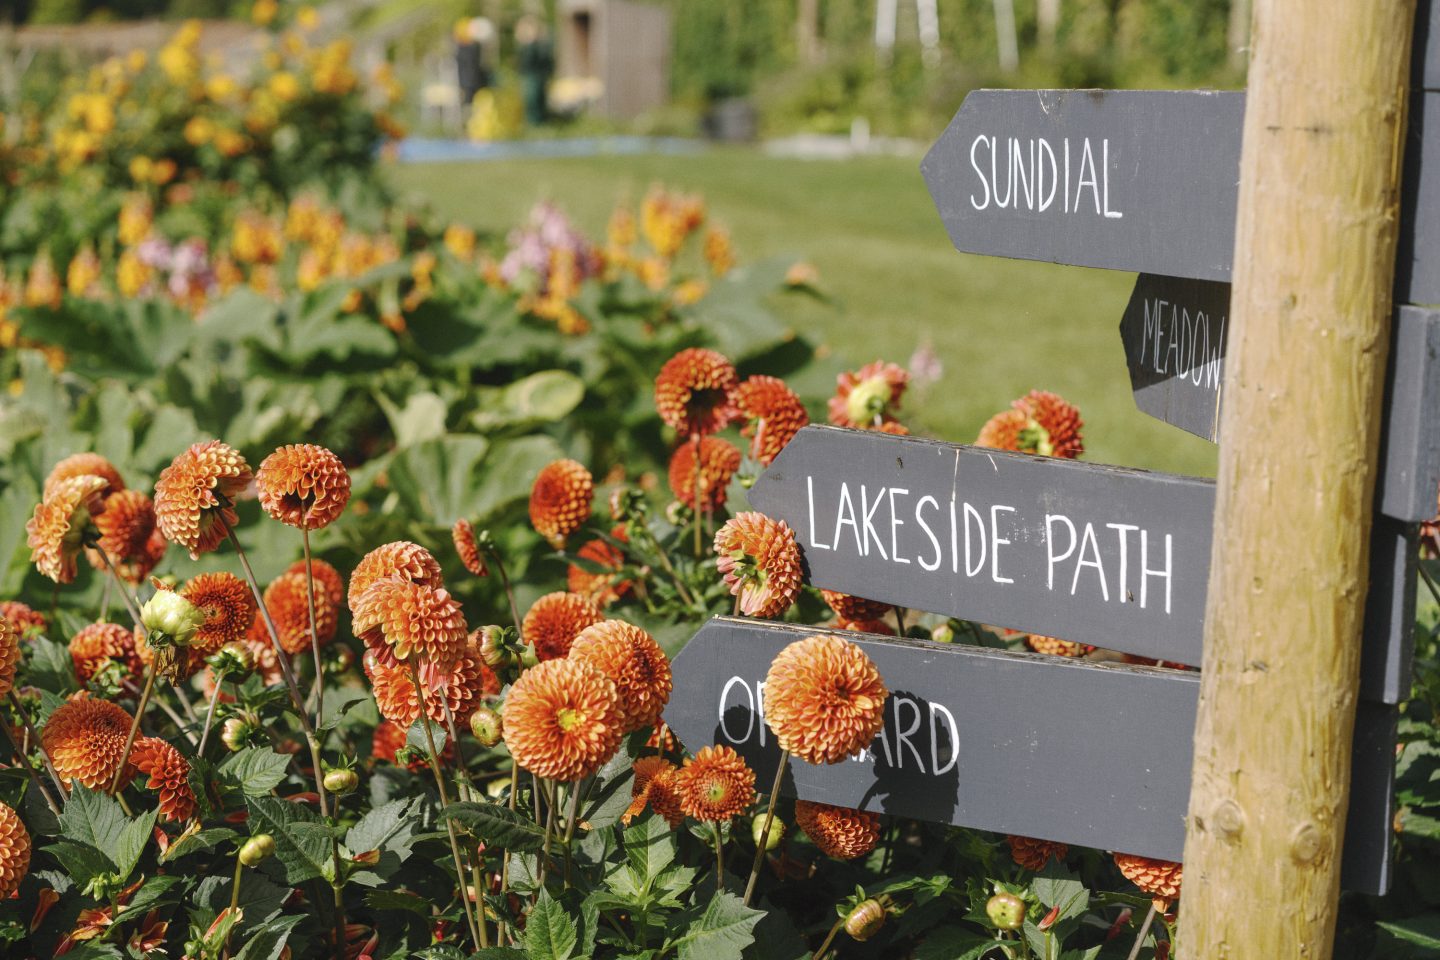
544	397
93	819
50	666
267	942
721	932
499	953
649	847
131	843
1423	931
196	842
255	770
302	843
954	943
550	933
381	899
1419	825
149	894
498	826
387	828
81	861
422	418
1058	887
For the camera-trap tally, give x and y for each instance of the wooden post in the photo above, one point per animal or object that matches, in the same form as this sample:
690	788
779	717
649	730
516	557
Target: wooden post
1314	258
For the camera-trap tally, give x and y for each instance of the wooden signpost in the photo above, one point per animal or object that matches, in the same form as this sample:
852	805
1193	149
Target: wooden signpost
1174	332
1086	753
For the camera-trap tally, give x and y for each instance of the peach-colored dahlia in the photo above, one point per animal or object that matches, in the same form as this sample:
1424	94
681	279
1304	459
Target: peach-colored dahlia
839	832
97	644
84	464
14	852
1033	854
125	523
563	720
634	662
195	495
715	785
400	558
866	398
1038	422
693	393
1057	647
285	600
327	579
134	570
468	548
56	532
1159	878
718	462
229	607
851	608
406	619
760	562
303	485
85	739
555	620
654	786
824	699
9	655
169	776
560	500
773	414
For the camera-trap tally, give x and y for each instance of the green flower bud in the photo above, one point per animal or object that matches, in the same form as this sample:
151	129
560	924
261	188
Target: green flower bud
341	781
495	652
235	734
496	788
677	514
1006	911
943	633
234	661
171	616
257	849
777	831
528	656
865	920
867	400
487	726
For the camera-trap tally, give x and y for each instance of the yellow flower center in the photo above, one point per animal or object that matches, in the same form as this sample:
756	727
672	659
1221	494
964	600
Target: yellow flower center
716	791
568	719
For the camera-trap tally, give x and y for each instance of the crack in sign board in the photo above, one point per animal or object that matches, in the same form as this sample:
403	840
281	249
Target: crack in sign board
1080	752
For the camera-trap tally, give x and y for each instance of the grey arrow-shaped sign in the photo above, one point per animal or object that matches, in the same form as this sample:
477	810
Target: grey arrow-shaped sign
1080	752
1095	554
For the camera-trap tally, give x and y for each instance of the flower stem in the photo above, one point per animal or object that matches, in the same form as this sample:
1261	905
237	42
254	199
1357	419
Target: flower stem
695	490
509	591
1144	930
467	792
33	737
130	604
445	805
314	630
570	827
24	761
765	830
210	715
899	621
829	939
234	901
134	728
719	859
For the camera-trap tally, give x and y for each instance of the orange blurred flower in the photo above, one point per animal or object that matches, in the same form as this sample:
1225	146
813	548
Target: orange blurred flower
229	607
693	392
169	774
303	485
27	622
14	852
1033	854
285	600
555	620
56	531
715	785
839	832
854	609
327	578
1057	647
468	548
824	699
562	720
718	462
654	786
195	495
634	662
1038	422
866	398
773	414
9	655
760	562
97	644
560	500
599	587
85	739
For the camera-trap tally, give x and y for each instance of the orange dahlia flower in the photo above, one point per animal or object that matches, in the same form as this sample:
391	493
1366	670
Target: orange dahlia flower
1159	878
327	578
718	462
26	621
462	688
760	562
1057	647
169	774
555	620
601	588
285	600
773	414
866	398
410	619
390	737
634	662
400	558
715	785
85	739
865	626
468	548
80	465
303	485
97	644
654	786
839	832
693	392
1038	422
851	608
14	852
563	720
134	570
56	531
194	497
824	699
1033	854
1002	431
125	523
560	500
229	608
9	655
267	664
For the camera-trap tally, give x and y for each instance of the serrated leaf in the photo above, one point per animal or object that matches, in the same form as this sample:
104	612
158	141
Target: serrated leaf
196	842
954	943
267	942
1058	887
721	932
131	843
93	819
498	826
81	861
498	953
550	933
649	847
50	666
1423	931
151	892
302	843
387	828
417	739
399	900
255	771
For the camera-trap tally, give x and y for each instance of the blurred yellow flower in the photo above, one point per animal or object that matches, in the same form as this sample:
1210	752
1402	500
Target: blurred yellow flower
136	214
263	12
718	251
199	131
460	240
131	274
42	287
688	292
653	272
139	170
179	63
257	239
221	87
231	143
307	18
163	171
83	275
284	87
136	60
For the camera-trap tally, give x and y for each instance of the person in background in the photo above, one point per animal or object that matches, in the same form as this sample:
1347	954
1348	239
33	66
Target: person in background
536	63
472	75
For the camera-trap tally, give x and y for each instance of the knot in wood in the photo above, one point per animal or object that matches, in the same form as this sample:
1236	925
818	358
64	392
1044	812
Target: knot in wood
1305	842
1229	821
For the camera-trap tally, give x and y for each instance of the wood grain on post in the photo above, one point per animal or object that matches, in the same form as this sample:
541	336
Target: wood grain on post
1314	261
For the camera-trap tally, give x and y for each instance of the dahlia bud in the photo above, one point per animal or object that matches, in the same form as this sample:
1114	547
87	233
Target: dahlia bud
487	726
257	849
677	514
943	633
777	831
235	734
528	656
865	920
495	653
234	660
172	616
341	781
1006	911
867	400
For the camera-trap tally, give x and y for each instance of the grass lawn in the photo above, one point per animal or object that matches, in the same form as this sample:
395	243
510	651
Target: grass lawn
999	327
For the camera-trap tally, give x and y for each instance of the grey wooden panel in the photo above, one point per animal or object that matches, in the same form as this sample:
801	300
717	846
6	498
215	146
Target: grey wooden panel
1367	863
1388	650
1092	754
1425	61
1410	444
1417	261
1174	333
1138	180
